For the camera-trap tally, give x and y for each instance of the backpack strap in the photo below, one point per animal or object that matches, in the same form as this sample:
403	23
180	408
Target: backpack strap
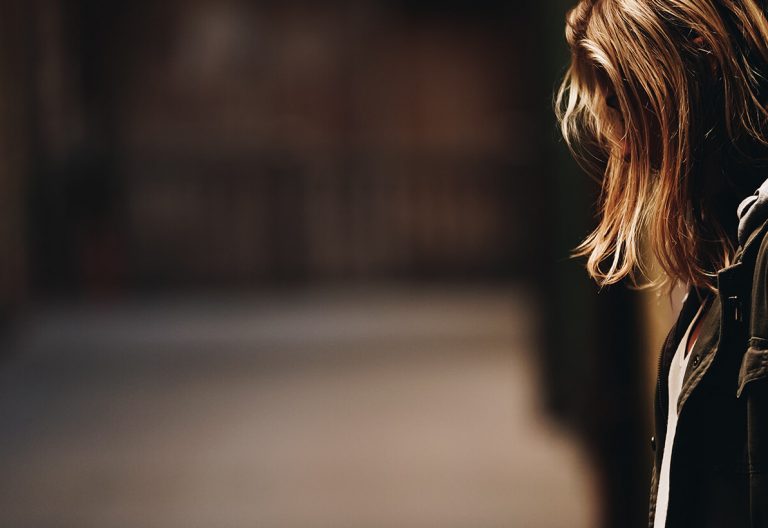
752	313
756	274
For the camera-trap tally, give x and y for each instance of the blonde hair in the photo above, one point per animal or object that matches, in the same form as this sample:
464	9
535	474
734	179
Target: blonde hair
686	79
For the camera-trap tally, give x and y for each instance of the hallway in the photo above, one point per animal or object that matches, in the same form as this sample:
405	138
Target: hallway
390	406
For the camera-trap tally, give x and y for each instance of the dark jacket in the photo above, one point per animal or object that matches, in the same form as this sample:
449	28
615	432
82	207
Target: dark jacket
719	467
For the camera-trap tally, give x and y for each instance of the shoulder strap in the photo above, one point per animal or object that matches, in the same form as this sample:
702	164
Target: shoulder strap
748	255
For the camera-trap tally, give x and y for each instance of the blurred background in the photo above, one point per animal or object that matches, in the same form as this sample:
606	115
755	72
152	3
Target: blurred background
305	264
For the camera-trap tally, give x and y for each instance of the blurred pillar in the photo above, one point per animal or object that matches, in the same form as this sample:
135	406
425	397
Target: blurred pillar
15	110
75	243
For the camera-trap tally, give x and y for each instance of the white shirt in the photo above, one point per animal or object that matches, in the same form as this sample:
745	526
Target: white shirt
675	383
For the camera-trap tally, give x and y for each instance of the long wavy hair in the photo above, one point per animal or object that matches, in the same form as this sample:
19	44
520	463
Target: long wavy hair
663	104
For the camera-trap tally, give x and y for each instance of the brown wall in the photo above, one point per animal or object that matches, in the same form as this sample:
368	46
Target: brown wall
240	143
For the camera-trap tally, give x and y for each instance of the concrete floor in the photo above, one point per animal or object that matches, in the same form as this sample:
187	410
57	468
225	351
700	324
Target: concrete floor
379	407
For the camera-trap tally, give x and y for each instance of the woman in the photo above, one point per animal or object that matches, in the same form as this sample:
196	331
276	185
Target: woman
665	104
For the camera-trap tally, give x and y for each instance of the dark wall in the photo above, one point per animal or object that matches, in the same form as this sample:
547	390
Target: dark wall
190	144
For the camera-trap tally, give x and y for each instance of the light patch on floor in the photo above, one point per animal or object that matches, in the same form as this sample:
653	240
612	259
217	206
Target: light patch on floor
364	408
